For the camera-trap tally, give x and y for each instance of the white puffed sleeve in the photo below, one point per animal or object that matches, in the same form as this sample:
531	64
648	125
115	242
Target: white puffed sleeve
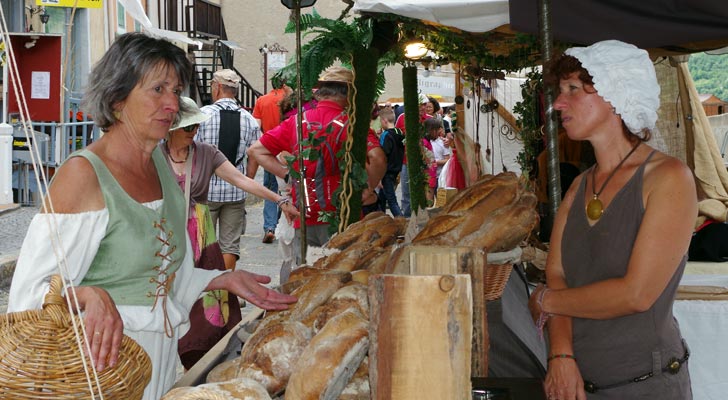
43	248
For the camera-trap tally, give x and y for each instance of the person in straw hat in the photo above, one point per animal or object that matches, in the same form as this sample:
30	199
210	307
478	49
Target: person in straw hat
620	238
194	163
328	120
120	218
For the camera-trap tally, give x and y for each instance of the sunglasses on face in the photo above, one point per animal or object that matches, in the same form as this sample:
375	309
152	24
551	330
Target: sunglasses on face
190	128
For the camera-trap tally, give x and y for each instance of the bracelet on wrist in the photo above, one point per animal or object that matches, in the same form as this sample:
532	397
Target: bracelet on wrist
557	356
283	201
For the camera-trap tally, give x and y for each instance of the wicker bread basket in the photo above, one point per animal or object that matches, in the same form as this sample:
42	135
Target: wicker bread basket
40	358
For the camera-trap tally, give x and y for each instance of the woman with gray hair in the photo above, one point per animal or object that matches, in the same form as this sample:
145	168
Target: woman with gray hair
121	219
620	238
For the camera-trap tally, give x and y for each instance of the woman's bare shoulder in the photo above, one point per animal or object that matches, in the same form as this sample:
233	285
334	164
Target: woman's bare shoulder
75	188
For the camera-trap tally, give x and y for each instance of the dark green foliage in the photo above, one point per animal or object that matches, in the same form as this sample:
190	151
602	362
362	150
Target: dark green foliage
529	122
710	73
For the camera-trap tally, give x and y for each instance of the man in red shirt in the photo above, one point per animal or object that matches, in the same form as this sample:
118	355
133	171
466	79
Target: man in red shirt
268	114
329	119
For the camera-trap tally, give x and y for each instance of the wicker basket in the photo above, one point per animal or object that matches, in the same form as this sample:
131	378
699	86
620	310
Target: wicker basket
496	278
40	358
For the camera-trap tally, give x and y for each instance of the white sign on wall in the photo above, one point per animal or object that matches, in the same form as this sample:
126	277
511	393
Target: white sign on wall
276	60
437	84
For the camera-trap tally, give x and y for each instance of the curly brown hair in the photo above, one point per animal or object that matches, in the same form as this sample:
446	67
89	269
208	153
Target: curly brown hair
563	65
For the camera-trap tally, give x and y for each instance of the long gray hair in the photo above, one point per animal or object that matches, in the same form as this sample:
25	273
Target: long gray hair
126	64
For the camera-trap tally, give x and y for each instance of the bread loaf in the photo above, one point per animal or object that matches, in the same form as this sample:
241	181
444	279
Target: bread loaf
358	386
224	371
500	196
334	354
378	264
236	389
316	291
274	350
351	296
437	226
354	231
505	228
472	195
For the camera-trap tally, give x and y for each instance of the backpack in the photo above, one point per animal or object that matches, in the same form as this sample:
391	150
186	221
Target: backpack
229	134
395	151
321	180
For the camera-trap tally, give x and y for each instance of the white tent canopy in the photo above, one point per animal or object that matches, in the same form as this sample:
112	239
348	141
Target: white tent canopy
471	16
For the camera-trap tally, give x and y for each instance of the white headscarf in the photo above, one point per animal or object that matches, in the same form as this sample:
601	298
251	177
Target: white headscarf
625	77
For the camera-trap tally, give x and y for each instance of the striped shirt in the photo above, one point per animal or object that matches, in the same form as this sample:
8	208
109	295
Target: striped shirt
209	132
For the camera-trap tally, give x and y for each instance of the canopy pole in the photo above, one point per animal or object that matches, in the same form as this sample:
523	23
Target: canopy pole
301	189
550	123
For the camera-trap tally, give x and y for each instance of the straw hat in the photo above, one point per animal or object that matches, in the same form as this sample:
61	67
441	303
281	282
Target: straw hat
189	114
226	77
336	75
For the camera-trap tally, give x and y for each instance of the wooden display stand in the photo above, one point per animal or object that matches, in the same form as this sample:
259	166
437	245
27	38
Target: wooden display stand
420	335
488	273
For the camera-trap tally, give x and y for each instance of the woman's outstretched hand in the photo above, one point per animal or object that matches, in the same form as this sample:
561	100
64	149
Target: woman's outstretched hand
250	287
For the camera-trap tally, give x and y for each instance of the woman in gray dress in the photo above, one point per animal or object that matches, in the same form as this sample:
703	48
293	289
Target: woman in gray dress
620	238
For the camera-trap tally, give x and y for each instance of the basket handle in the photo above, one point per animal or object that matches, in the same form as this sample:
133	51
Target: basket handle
54	304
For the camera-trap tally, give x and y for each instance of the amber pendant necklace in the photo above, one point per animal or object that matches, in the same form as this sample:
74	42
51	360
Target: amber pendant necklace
595	208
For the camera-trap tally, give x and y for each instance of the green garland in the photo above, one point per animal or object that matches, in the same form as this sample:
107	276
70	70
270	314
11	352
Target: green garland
529	122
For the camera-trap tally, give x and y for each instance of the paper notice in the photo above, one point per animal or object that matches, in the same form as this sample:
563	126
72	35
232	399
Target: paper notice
40	85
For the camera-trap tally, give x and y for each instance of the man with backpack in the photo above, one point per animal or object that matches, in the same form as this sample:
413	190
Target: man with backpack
392	142
233	130
328	124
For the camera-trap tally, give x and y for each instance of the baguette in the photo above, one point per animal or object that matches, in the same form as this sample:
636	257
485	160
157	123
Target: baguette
356	230
438	225
505	228
472	195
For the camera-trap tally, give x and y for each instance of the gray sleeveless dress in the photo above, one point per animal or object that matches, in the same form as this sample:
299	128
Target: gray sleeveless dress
619	349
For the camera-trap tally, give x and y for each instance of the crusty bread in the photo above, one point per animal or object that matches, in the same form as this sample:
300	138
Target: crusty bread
349	258
499	197
354	231
304	272
274	350
236	389
438	225
353	295
358	386
472	195
252	371
224	371
378	264
316	291
386	234
332	357
505	228
361	276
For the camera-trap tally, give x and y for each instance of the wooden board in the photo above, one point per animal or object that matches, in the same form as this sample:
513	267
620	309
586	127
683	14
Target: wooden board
438	260
420	337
